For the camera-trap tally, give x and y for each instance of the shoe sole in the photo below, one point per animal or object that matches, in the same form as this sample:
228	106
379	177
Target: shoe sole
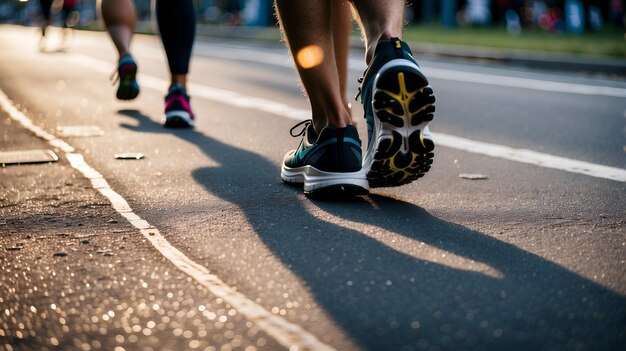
320	183
178	119
128	89
403	105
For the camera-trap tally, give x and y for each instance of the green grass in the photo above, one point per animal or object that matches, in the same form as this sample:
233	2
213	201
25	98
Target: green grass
609	42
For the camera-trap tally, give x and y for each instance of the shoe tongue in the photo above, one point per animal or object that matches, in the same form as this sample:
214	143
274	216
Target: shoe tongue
311	135
176	89
126	59
394	43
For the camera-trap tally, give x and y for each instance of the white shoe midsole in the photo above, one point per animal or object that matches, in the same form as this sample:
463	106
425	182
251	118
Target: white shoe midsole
180	114
314	179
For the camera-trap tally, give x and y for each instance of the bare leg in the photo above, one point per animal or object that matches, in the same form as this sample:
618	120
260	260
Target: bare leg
341	27
179	79
120	18
379	19
307	28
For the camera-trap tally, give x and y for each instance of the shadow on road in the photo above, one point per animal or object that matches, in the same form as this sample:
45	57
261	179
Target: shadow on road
386	299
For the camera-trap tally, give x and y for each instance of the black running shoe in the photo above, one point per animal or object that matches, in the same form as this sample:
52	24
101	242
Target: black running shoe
328	164
398	104
128	88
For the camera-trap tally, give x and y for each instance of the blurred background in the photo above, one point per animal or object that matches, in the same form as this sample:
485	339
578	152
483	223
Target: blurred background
579	27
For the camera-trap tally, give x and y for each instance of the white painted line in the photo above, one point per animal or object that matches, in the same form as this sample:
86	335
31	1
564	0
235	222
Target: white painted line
225	96
511	82
289	335
244	101
531	157
18	116
523	83
358	65
81	131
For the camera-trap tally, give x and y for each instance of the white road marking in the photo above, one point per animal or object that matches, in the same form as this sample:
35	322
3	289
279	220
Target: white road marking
358	65
523	83
531	157
18	116
254	103
512	82
290	335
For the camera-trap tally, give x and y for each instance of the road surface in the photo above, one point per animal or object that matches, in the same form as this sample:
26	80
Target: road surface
200	246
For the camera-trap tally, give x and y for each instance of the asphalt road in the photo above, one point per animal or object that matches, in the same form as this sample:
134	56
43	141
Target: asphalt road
218	254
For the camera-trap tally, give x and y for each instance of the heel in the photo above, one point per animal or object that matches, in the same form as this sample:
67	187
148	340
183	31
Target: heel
403	105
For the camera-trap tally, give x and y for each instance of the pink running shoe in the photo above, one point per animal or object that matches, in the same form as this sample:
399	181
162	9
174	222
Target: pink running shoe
178	113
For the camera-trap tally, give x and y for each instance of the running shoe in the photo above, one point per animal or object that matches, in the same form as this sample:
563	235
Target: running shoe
398	104
178	113
328	164
126	74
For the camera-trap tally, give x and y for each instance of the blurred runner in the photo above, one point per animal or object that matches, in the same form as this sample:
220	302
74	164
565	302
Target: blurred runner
46	8
177	25
69	16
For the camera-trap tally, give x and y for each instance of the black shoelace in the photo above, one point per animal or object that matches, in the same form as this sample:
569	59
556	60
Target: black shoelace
305	125
360	80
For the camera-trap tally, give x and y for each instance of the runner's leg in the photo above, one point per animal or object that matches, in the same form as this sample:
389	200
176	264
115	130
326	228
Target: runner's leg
307	28
177	25
120	19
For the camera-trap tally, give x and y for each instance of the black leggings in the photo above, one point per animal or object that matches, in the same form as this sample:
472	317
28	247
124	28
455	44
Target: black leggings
45	8
177	24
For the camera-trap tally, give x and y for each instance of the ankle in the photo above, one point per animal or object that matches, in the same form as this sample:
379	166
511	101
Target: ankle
180	79
342	120
385	34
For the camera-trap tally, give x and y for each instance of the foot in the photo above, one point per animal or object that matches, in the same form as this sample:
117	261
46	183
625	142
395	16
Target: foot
127	73
398	104
326	164
178	113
